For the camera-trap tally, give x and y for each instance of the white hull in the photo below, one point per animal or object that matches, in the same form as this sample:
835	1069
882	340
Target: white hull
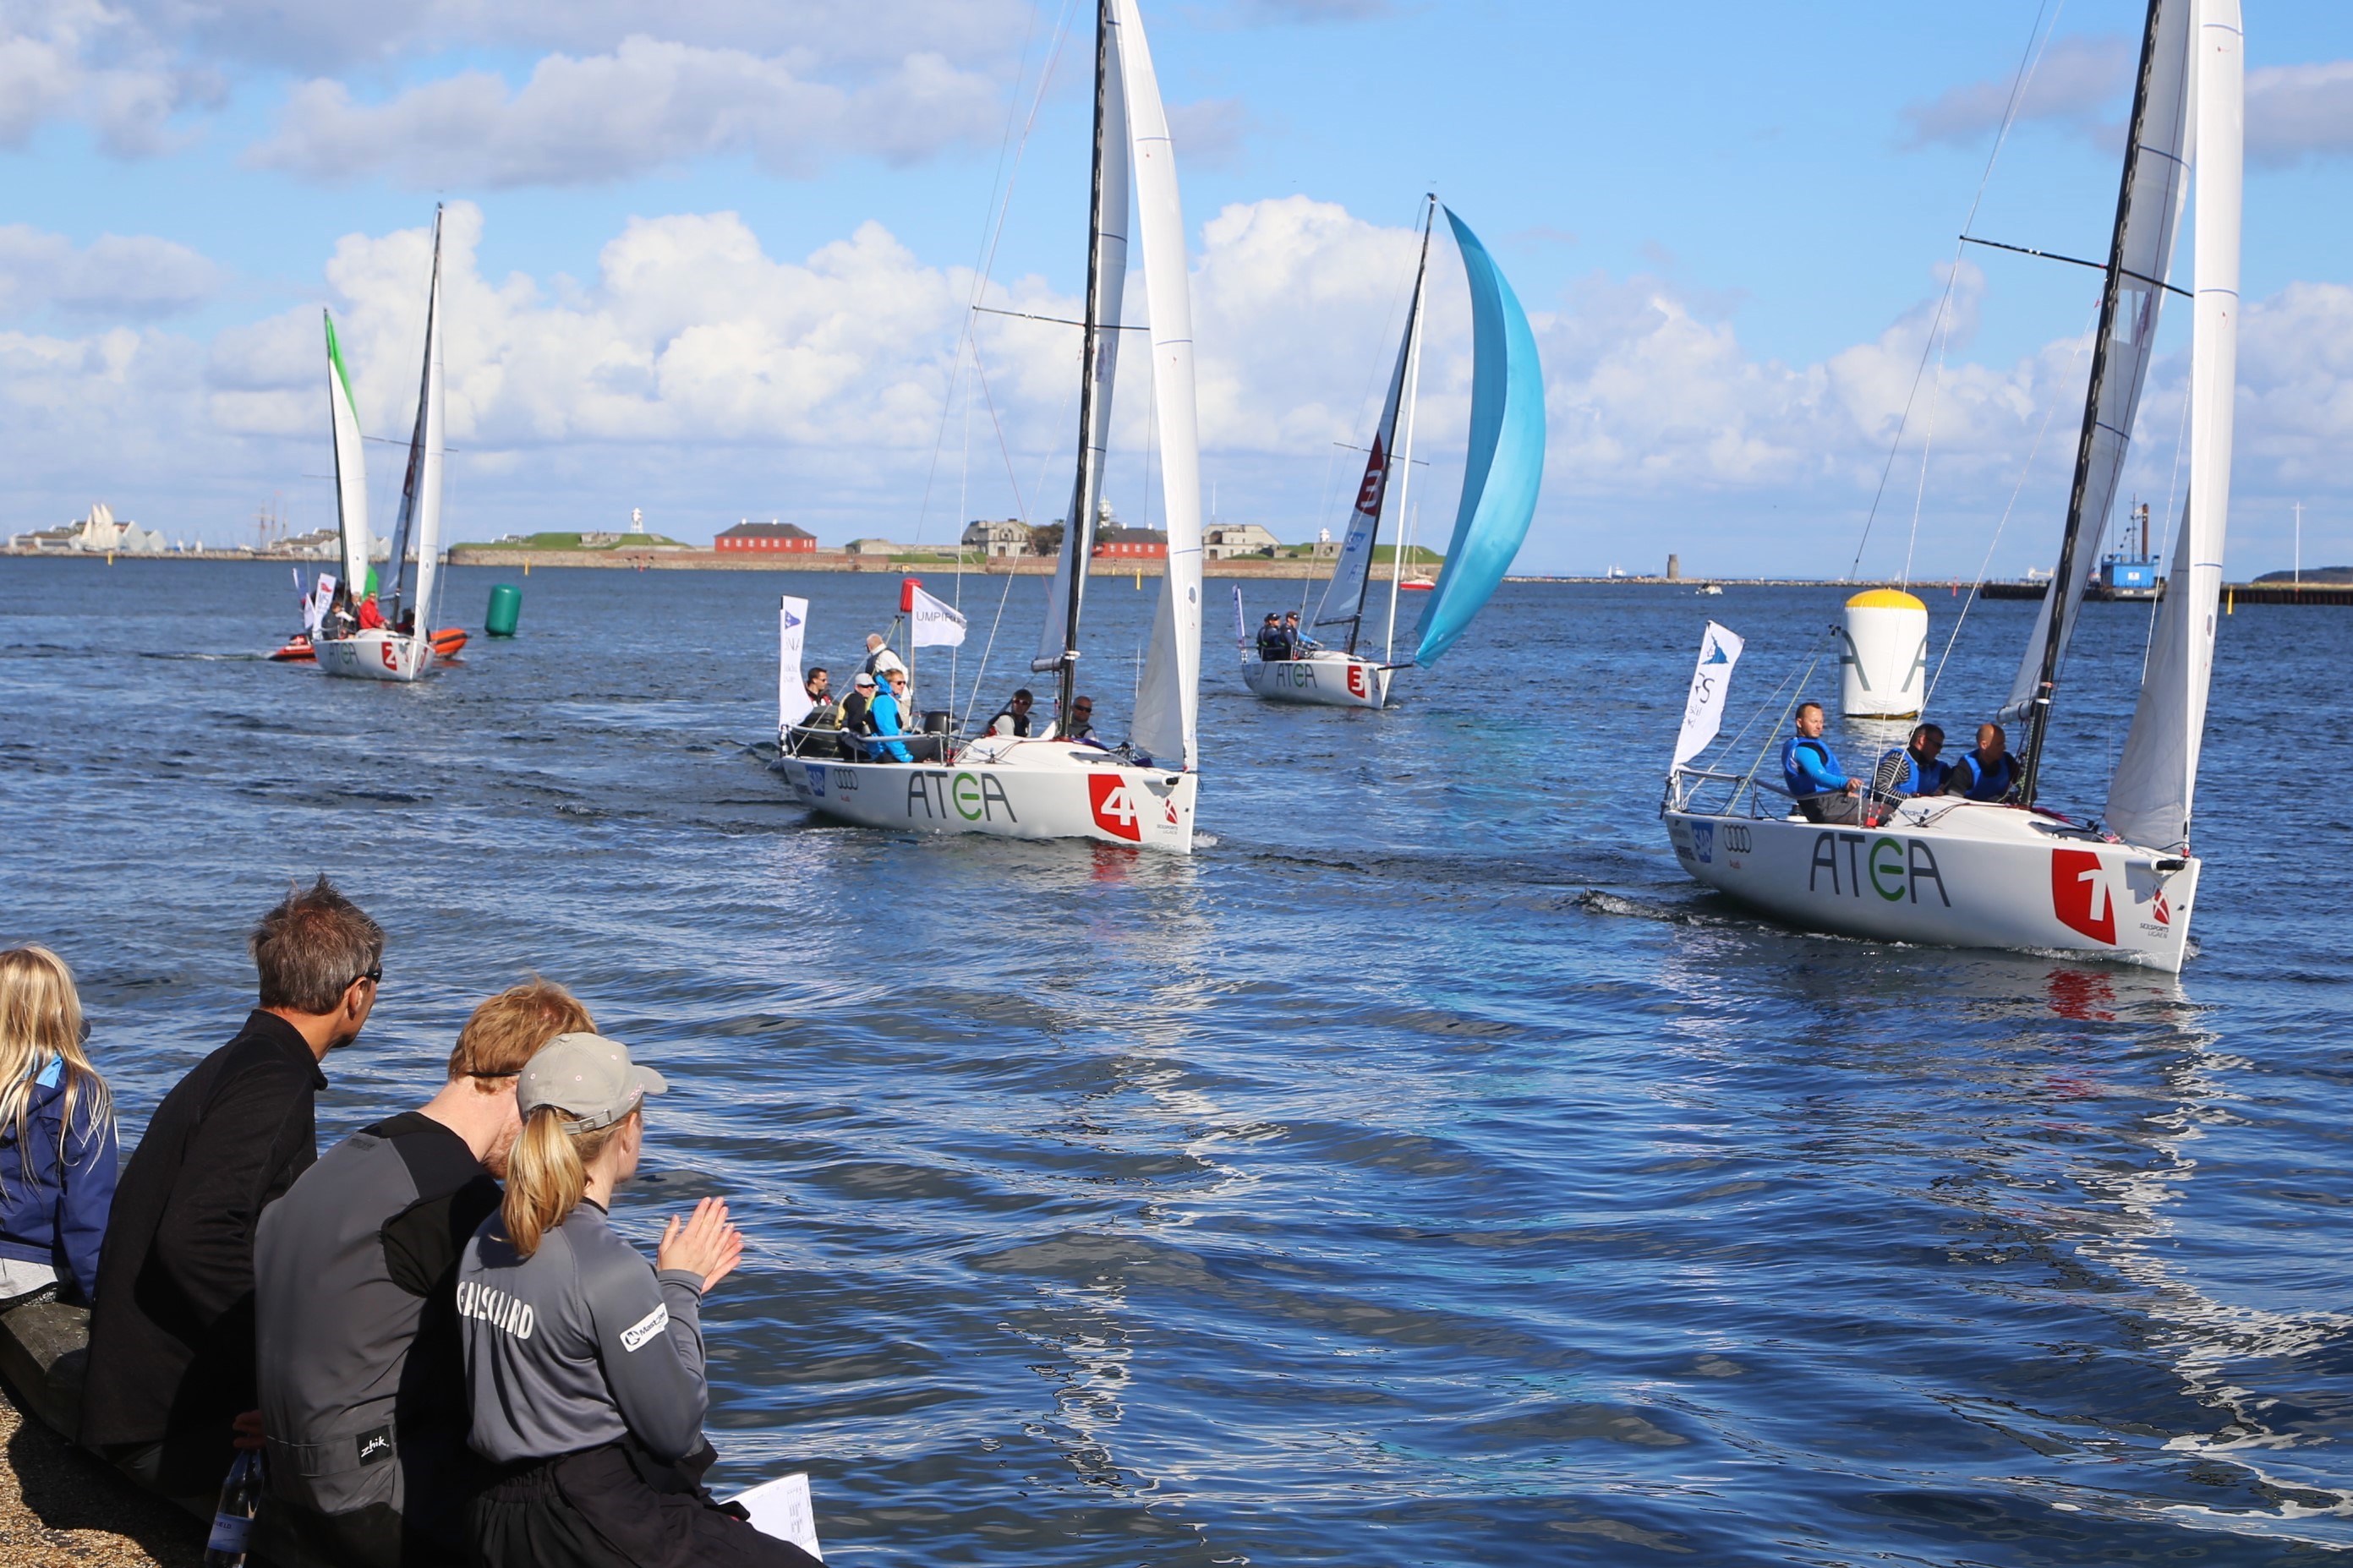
1011	789
377	656
1951	873
1328	679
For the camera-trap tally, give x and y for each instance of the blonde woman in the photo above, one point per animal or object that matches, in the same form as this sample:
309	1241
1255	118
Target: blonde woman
584	1364
57	1133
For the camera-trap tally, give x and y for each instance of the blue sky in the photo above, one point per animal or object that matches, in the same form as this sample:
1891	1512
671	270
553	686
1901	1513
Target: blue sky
1726	219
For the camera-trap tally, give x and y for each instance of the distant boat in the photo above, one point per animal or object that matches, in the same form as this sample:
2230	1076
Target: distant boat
1709	591
2013	874
1500	481
386	653
1143	793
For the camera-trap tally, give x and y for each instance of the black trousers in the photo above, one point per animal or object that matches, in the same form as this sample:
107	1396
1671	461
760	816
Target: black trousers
619	1507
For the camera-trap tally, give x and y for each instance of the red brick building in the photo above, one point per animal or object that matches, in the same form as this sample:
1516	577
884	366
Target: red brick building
766	537
1133	543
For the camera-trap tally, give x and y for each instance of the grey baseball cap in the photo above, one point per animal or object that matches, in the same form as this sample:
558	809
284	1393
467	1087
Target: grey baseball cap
586	1076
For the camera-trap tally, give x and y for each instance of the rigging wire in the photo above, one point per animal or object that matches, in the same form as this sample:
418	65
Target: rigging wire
2083	342
2038	41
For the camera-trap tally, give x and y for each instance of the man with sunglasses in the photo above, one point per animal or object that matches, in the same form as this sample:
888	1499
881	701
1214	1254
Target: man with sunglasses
171	1393
361	1368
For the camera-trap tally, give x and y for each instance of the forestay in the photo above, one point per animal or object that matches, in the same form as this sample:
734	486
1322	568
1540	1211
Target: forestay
351	464
1343	595
2148	209
1505	464
1167	704
2149	798
420	497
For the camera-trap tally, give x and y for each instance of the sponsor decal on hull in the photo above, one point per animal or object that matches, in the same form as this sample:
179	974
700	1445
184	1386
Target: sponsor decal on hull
973	797
815	772
2084	893
1119	807
1891	867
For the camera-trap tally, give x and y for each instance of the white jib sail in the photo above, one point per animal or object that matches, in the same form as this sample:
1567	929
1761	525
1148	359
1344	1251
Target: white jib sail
1167	708
2149	798
2160	180
351	465
1109	267
429	468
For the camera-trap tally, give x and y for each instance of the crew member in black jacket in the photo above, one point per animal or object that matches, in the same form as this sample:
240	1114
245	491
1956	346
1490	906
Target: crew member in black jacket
171	1376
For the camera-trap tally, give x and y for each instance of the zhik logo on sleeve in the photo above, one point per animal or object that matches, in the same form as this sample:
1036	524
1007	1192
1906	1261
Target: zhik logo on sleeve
645	1327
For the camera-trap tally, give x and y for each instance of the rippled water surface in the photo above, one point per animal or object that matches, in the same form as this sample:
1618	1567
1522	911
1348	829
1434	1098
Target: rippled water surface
1423	1172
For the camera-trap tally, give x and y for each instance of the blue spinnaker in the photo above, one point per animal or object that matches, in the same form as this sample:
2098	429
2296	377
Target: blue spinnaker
1505	466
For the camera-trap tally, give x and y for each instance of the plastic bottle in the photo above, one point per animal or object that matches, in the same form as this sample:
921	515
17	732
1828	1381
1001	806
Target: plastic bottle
232	1519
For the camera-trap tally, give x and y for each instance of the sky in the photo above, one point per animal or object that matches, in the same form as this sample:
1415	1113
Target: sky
714	260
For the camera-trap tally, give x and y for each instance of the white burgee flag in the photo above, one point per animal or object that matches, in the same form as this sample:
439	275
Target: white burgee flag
932	623
314	612
1719	650
792	699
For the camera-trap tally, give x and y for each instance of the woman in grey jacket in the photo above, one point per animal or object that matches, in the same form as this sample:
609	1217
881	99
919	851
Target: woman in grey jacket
583	1366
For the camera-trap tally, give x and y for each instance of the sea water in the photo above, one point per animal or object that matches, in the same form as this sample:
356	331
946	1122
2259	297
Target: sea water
1424	1172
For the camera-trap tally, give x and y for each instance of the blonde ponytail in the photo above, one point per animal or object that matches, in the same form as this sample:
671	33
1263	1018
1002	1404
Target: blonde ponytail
546	1174
40	1023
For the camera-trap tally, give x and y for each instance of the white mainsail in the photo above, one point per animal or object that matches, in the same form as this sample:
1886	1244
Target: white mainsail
351	465
1167	707
2156	179
1343	595
1107	284
2150	798
429	442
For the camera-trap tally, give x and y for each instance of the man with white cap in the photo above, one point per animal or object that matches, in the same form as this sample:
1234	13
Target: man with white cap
583	1366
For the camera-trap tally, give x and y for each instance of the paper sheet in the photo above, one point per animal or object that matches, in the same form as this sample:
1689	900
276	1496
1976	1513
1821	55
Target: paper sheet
782	1509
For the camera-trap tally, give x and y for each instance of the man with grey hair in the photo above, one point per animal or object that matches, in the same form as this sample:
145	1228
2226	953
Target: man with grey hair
172	1391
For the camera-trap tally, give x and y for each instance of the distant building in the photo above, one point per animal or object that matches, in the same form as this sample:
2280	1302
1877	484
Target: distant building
1123	543
996	539
97	532
766	537
320	544
599	540
1224	541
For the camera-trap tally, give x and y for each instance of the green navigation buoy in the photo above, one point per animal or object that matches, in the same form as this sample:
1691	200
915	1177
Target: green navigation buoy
506	607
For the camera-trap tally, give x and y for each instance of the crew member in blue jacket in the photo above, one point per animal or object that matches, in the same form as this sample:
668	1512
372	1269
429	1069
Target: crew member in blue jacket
1989	773
1915	770
887	715
57	1151
1811	769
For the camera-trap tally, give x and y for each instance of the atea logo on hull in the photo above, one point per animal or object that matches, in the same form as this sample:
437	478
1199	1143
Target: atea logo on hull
1891	867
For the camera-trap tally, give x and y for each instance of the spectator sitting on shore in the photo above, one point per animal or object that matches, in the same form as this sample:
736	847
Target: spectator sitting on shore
363	1378
56	1134
170	1392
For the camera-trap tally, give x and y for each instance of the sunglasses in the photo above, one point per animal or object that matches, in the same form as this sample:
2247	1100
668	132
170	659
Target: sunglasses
375	977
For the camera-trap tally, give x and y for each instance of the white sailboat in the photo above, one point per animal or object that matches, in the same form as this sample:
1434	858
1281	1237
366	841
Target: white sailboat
1500	481
1143	793
386	653
1952	872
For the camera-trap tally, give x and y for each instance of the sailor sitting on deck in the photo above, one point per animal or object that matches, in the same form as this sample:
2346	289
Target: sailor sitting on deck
855	719
886	716
880	660
371	614
1915	770
824	715
1989	773
1298	639
1013	718
1272	644
1083	724
1819	786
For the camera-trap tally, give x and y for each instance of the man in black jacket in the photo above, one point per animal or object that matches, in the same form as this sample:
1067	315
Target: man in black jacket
362	1375
170	1378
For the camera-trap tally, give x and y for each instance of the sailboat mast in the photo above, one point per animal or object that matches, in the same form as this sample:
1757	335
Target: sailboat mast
410	485
1078	527
1412	390
2054	639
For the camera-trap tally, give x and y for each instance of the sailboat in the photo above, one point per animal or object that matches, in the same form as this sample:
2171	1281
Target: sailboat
2015	874
386	653
1141	793
1500	481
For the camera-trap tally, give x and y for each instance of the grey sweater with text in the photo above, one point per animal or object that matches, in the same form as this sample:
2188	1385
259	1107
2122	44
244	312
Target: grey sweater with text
579	1343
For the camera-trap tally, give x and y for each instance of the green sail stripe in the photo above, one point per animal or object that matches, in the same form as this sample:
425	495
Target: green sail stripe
343	377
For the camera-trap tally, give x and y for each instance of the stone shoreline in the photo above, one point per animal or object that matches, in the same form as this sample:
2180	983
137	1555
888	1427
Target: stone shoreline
58	1505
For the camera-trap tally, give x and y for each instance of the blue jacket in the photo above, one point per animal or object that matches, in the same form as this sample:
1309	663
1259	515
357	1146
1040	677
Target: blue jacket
1968	778
1916	779
884	712
1810	767
54	1211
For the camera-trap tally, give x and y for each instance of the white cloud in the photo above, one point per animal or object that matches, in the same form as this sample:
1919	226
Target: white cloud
647	104
694	366
115	276
82	60
2075	81
2295	111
